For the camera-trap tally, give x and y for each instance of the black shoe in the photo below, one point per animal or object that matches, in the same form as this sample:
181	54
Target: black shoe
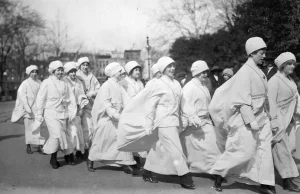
53	161
79	155
127	169
71	159
40	150
266	189
28	149
289	185
148	176
218	183
186	182
137	172
89	165
67	159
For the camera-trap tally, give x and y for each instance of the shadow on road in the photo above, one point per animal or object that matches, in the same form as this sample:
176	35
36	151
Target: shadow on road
10	136
240	185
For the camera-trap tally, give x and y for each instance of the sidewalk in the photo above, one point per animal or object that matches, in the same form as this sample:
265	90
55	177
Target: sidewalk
6	109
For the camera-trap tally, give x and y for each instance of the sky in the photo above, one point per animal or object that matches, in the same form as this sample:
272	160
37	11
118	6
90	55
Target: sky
102	24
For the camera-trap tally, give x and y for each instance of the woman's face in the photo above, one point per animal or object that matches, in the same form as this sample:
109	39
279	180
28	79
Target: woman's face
136	72
226	77
59	72
170	70
72	74
84	67
119	76
289	67
33	74
203	77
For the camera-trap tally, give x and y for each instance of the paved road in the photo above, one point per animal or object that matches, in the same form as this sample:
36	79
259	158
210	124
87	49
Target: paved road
21	173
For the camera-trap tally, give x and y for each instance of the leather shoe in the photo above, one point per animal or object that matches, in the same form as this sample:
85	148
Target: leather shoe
28	149
186	182
148	176
90	165
289	185
128	169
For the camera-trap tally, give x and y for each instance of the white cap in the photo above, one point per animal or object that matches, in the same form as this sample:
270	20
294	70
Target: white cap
30	68
154	68
163	62
113	68
198	67
283	57
254	44
54	65
69	66
82	60
131	65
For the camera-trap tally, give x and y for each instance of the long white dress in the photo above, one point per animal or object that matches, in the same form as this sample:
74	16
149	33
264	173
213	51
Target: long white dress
199	143
91	85
27	94
110	99
74	130
284	112
235	104
156	108
56	103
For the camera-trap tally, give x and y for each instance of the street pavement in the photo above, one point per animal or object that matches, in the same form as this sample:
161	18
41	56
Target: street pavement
22	173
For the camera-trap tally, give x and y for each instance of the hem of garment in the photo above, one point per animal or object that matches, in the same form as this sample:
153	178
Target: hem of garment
173	172
112	162
289	175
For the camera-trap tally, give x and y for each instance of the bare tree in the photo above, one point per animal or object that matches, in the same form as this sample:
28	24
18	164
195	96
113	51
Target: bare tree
58	34
226	9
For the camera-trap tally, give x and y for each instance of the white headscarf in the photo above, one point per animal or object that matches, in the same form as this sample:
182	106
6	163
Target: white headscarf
155	69
284	57
30	68
198	67
131	65
112	68
54	65
69	66
163	62
82	60
254	44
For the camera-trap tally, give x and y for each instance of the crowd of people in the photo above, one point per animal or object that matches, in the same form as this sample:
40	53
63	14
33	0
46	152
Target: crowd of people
241	132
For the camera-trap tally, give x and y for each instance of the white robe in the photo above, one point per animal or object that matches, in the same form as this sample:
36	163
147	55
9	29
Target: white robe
199	143
91	86
56	103
110	99
155	107
27	94
235	104
284	112
74	129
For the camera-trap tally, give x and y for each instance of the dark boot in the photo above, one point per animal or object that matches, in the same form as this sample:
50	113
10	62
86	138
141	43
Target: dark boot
289	185
86	154
186	182
138	162
71	159
218	183
40	150
90	165
53	161
67	159
79	155
28	149
148	176
127	169
266	189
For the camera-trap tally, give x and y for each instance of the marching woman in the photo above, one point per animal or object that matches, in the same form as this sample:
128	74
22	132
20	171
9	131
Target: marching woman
74	128
26	108
151	122
91	87
284	106
57	105
133	87
109	103
199	137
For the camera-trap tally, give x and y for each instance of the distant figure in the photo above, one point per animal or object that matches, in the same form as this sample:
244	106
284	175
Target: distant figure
183	80
227	74
271	70
215	79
